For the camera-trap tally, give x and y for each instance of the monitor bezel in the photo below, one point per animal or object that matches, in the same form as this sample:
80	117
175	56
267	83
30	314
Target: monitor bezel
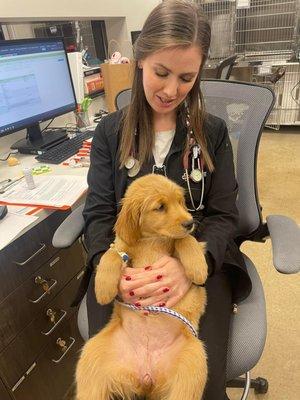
49	115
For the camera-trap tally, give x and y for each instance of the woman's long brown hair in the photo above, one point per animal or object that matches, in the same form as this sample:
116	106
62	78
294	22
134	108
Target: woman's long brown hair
173	23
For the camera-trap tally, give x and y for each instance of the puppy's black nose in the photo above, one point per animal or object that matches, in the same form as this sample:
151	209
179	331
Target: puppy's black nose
188	225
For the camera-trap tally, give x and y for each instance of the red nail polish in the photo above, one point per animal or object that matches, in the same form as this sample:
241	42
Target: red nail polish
131	293
148	267
146	313
137	304
165	290
159	276
162	304
128	278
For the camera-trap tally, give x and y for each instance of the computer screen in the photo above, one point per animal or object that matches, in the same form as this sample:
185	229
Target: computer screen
35	84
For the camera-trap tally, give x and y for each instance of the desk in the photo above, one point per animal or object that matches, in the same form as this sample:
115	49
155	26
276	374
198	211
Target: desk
39	338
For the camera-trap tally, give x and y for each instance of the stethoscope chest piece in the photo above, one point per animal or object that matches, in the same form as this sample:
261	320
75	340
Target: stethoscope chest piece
135	169
196	175
130	162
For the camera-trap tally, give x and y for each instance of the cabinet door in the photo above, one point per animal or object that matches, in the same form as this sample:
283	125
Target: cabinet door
3	393
53	373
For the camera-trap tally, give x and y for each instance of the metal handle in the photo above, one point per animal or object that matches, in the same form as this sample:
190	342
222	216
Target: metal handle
64	351
21	264
45	292
64	313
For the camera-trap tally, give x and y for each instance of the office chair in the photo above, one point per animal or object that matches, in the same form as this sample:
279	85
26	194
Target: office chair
224	67
245	108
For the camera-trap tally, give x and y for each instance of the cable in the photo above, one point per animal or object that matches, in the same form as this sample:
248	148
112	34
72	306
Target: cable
47	125
9	154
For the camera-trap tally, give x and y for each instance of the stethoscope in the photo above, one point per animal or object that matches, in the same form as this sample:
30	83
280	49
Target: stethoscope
196	173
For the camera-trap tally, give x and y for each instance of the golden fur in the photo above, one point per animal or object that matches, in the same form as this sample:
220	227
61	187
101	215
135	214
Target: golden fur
156	355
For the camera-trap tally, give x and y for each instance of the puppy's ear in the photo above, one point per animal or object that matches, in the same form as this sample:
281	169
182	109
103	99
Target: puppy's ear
127	225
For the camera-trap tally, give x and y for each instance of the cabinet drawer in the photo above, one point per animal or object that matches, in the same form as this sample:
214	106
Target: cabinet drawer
23	351
53	371
26	254
24	304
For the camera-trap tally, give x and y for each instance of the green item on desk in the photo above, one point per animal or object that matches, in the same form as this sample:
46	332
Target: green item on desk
41	170
86	102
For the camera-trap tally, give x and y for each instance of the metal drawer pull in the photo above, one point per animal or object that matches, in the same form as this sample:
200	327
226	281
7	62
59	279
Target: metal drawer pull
62	344
45	285
18	383
54	261
52	314
43	246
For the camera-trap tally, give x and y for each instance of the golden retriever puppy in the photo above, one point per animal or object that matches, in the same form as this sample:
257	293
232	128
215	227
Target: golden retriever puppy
156	356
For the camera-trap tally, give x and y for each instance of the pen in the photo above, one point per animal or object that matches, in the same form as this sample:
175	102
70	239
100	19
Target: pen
9	184
5	181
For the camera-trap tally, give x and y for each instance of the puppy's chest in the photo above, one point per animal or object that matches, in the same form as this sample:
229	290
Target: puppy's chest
147	254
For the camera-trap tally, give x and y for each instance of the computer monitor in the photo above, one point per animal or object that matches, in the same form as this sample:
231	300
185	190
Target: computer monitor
35	86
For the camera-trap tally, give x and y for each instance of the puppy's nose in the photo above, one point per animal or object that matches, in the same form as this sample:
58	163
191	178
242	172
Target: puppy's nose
188	225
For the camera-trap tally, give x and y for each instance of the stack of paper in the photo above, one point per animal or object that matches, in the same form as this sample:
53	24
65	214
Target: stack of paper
56	191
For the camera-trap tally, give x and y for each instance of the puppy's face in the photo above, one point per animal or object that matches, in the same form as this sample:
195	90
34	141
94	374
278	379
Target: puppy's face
153	206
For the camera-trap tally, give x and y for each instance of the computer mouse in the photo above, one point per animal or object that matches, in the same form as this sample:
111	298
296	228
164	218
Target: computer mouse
3	211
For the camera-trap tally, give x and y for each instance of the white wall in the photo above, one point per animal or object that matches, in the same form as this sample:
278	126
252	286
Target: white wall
134	11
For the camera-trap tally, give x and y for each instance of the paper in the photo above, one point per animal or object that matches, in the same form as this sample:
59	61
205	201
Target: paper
22	210
11	225
56	191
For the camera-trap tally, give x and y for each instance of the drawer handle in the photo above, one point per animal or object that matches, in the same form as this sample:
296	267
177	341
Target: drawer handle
50	314
62	344
42	248
45	285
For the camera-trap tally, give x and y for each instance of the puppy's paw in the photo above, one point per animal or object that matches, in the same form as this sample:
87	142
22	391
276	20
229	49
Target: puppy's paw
191	254
107	277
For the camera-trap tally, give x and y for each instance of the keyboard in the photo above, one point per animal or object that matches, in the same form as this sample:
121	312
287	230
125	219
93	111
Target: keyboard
64	150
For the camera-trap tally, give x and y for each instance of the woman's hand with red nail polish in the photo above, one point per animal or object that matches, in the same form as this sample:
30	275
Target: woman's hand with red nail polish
165	282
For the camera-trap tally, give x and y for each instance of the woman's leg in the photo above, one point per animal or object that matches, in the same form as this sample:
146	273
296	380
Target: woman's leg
214	331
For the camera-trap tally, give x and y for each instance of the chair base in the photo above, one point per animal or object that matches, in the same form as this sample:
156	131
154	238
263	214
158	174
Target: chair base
260	385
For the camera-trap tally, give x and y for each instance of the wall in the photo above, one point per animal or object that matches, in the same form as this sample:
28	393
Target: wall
134	11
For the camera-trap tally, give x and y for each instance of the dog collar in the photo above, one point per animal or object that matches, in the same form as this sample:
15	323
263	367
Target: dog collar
163	310
125	257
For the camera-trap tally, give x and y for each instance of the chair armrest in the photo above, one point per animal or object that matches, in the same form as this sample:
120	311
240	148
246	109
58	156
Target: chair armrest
70	230
285	238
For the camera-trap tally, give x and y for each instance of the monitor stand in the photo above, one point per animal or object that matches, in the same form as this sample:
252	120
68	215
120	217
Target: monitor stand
37	143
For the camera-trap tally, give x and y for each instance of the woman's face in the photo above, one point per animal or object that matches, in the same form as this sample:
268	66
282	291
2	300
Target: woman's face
168	76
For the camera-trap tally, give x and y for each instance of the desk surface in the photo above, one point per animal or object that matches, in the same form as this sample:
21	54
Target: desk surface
29	161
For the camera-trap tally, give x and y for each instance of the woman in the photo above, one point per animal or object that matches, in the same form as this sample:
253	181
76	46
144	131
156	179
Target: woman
153	134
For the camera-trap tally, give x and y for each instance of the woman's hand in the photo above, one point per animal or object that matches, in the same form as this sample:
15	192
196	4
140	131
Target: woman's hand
163	283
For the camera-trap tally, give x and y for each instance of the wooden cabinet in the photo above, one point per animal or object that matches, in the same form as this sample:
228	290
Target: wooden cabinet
39	339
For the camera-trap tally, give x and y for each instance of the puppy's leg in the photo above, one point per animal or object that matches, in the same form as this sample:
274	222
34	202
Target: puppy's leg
187	379
100	375
107	276
191	254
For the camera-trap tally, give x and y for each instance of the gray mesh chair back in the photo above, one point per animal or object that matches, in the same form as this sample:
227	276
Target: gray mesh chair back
122	99
245	108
